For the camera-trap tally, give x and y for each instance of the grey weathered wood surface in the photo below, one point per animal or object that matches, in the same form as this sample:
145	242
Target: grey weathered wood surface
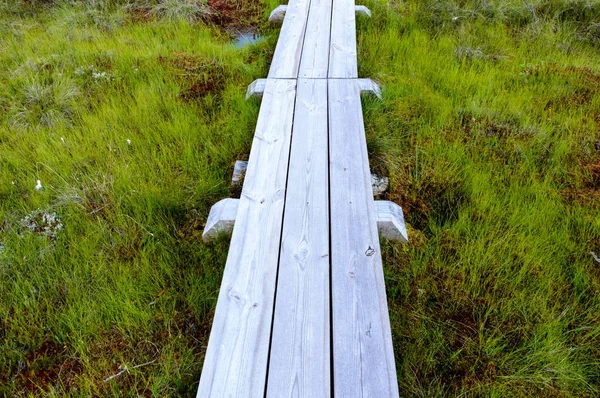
236	358
315	53
278	14
221	219
342	52
302	309
362	346
369	86
286	59
256	88
390	221
362	10
300	349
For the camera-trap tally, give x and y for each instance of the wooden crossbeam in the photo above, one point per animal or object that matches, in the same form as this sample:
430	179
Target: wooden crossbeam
390	220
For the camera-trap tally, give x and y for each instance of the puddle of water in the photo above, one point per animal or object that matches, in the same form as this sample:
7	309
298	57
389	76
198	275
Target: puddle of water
248	38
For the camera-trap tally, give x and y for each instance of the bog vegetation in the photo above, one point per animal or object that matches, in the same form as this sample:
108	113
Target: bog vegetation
120	122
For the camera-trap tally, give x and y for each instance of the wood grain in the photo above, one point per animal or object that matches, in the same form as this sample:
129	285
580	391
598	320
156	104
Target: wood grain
221	219
342	52
236	358
363	357
315	53
286	59
390	221
300	351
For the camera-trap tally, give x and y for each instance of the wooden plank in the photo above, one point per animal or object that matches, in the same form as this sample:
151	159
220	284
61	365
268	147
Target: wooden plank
363	357
286	59
315	53
299	364
236	358
342	55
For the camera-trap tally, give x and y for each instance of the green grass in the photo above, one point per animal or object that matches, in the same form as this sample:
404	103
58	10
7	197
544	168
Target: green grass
489	131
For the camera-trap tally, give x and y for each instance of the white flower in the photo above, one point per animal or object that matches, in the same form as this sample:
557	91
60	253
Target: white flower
128	141
63	140
39	185
454	18
99	75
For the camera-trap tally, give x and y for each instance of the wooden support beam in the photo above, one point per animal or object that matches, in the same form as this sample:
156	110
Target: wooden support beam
390	220
366	86
369	86
362	10
278	14
256	88
221	219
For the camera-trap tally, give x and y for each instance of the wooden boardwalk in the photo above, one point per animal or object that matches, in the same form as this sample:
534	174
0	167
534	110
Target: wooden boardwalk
302	310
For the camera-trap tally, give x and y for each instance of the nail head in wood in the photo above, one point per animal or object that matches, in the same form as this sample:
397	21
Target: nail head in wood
220	219
390	221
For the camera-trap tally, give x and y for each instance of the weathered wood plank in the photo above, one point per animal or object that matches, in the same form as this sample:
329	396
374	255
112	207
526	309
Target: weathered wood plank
363	357
300	349
342	55
315	53
236	358
286	59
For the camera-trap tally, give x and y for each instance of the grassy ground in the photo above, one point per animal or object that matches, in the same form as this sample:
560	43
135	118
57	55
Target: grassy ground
131	117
